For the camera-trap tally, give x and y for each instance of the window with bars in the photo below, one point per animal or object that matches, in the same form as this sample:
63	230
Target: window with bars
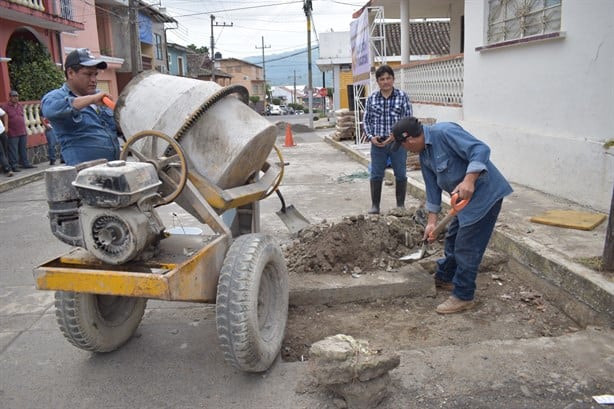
66	9
158	41
514	19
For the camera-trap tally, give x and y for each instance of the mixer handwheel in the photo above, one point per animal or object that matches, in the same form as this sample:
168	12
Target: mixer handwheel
166	155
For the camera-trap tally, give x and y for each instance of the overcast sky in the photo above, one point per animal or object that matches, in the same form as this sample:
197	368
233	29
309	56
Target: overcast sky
282	23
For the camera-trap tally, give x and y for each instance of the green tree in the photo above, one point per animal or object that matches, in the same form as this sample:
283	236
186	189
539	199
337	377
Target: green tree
199	50
31	70
267	92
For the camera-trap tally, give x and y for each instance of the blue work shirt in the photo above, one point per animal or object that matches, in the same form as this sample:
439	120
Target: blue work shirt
449	153
84	134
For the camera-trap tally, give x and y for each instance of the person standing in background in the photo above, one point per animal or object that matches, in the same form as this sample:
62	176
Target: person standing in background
4	162
17	133
382	110
51	141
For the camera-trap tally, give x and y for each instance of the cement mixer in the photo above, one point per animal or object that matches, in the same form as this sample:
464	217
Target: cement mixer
199	145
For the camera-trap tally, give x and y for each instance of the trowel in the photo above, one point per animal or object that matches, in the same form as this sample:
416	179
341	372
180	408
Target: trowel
456	207
292	218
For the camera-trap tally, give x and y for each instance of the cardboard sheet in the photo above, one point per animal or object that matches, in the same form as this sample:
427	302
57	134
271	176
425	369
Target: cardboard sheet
570	219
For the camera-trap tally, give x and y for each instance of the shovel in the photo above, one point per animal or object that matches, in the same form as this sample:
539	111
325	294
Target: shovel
292	218
456	207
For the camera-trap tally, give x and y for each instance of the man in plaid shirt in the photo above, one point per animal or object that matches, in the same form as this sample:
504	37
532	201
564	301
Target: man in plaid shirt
383	109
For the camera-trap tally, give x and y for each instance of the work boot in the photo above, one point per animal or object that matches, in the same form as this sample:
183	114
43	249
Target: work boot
401	191
443	285
376	196
453	305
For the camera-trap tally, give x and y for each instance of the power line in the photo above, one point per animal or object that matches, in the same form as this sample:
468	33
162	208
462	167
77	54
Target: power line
292	55
238	9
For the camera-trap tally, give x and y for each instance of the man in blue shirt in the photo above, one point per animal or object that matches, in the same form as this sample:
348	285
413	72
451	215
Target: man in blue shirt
84	127
382	109
454	161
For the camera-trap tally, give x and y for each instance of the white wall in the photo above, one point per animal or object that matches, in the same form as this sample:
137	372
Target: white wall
442	114
546	108
335	46
335	49
279	92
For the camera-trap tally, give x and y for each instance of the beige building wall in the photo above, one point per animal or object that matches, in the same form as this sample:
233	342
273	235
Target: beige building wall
244	73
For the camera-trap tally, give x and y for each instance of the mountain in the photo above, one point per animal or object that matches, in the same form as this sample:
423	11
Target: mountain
280	69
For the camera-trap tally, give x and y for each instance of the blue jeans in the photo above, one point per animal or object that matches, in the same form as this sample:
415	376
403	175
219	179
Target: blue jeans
463	252
18	152
4	161
51	143
379	158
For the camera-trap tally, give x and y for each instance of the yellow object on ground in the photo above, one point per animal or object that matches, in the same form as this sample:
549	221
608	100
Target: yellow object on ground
570	219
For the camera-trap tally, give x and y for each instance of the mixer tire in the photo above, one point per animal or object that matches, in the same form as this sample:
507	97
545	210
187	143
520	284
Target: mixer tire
252	302
98	323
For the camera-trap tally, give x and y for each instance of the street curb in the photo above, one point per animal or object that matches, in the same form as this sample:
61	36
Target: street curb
578	291
317	289
18	181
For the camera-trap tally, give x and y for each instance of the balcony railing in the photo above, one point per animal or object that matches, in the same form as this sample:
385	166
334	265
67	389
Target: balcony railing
56	15
34	123
31	4
438	81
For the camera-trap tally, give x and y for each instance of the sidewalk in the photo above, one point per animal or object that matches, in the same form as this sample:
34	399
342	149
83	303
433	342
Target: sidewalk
24	176
548	257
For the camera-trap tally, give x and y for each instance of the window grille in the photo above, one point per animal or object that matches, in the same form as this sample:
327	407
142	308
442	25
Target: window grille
513	19
66	9
158	39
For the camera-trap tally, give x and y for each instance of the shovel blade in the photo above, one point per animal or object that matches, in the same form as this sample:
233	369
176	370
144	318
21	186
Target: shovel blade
293	219
414	256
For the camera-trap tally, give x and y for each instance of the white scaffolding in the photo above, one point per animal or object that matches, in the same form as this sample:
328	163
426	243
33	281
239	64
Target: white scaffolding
377	47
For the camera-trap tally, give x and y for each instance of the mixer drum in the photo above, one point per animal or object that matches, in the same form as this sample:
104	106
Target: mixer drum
227	144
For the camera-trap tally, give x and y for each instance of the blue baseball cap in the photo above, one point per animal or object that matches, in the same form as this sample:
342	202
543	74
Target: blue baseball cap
82	56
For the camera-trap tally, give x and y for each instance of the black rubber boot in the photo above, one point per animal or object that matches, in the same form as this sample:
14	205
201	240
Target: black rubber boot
376	196
401	190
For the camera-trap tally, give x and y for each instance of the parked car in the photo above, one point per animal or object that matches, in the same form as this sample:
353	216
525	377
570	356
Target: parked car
299	112
274	110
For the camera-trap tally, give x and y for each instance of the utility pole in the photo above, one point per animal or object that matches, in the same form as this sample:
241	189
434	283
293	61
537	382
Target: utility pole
133	26
294	82
294	94
213	45
263	70
307	8
323	97
608	248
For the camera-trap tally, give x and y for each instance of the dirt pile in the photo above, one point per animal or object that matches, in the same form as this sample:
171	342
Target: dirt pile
356	243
